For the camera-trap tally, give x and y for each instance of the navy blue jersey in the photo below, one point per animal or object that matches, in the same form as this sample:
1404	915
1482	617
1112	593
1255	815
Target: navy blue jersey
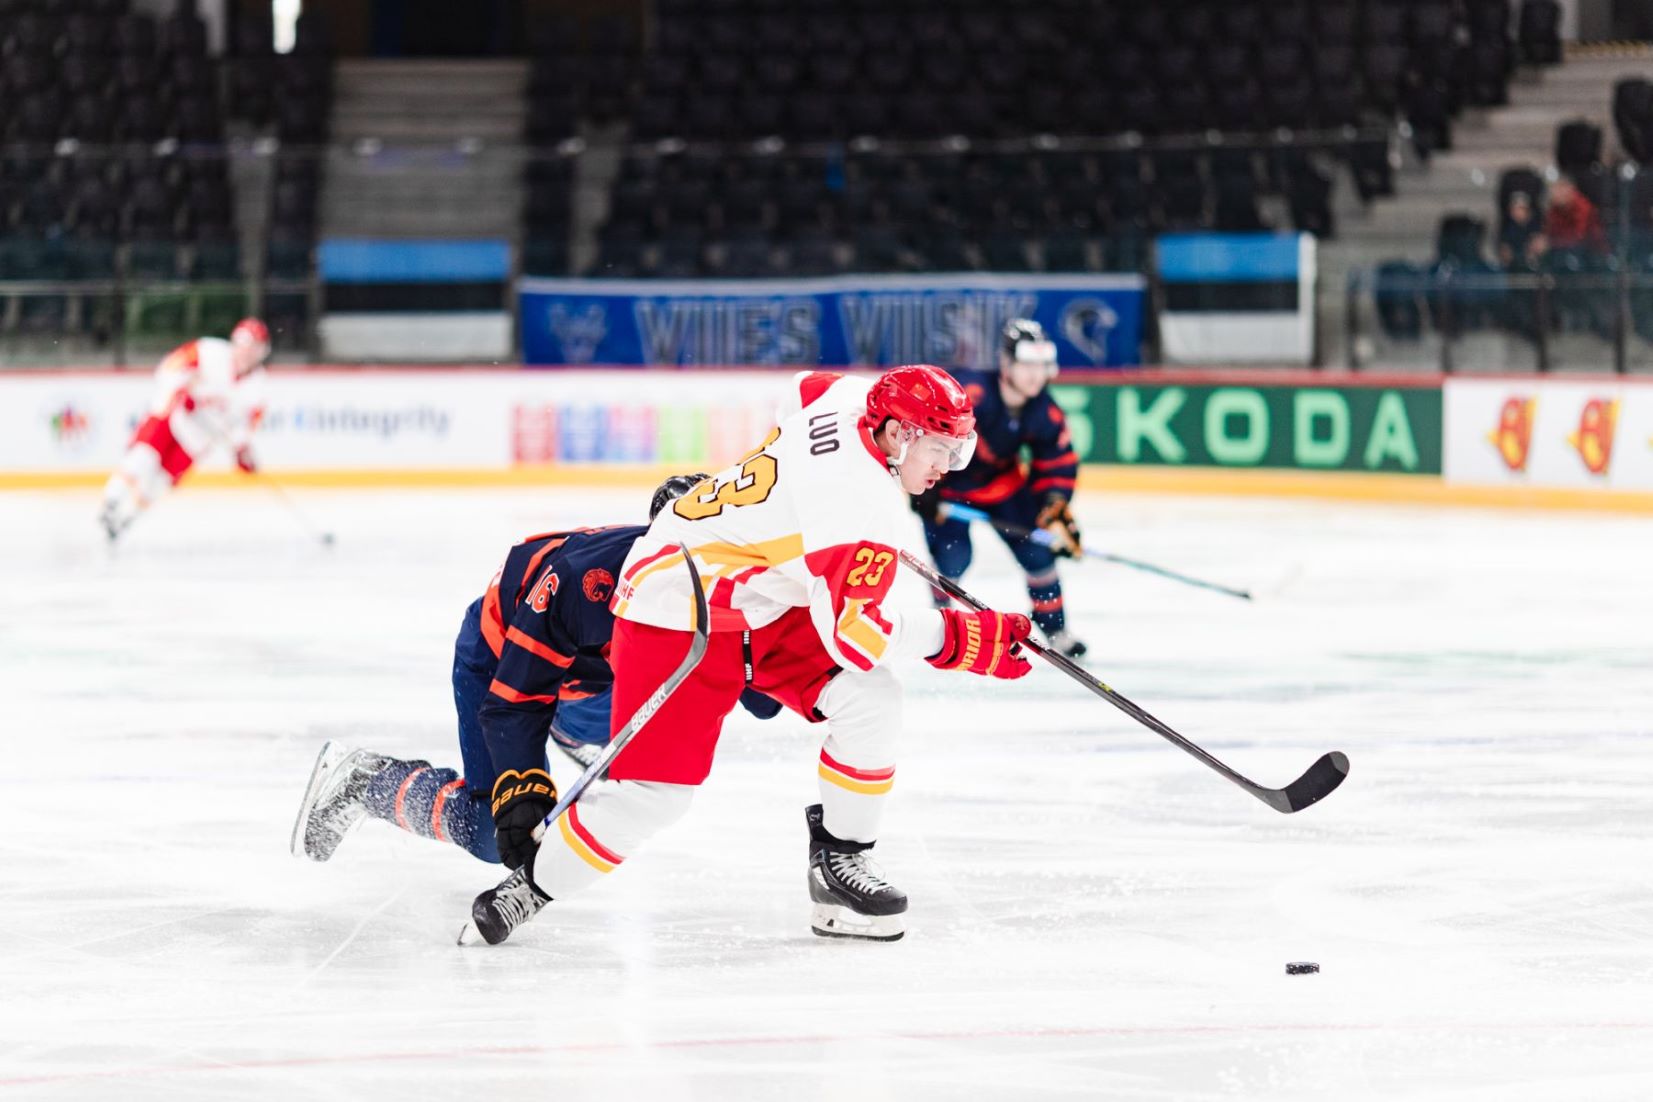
996	471
545	617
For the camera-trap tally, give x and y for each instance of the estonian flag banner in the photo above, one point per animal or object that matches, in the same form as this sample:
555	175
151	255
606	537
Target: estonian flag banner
1236	297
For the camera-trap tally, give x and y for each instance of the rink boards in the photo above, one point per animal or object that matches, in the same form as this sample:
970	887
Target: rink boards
1579	442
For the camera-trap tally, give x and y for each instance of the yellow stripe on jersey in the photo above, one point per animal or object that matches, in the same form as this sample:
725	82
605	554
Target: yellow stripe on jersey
866	635
865	788
764	553
581	850
653	567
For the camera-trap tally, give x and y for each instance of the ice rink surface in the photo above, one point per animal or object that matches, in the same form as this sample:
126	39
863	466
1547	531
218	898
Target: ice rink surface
1095	915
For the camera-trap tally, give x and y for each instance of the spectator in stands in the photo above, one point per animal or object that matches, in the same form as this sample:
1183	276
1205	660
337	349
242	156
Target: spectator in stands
1575	252
1520	247
1520	241
1572	221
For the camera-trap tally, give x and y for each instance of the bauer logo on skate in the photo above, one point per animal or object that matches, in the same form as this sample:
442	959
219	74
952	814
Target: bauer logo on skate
1513	436
1593	440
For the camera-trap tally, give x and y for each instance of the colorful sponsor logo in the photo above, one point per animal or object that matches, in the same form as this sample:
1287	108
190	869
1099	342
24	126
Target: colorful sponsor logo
1513	436
70	426
598	432
1594	438
1304	428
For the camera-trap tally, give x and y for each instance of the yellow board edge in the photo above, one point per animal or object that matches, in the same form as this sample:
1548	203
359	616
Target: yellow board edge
1211	481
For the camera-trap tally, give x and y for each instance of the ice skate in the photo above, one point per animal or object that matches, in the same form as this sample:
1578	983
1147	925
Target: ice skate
499	910
852	899
113	526
333	801
1064	643
582	753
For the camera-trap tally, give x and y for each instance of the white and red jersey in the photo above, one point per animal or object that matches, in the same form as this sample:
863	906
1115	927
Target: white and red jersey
203	401
812	519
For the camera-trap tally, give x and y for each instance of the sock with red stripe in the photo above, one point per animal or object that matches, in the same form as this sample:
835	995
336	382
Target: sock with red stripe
1047	603
432	803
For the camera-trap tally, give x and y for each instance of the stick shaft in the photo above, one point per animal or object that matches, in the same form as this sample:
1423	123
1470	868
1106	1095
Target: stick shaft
645	711
1040	536
1095	685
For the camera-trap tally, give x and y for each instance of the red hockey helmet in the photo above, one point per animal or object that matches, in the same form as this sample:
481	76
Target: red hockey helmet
250	331
926	401
922	396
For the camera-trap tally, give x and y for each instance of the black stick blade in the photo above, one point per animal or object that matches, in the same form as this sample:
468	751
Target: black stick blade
1320	781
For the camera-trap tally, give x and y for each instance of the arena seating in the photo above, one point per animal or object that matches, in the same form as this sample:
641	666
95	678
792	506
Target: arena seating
111	121
290	95
821	73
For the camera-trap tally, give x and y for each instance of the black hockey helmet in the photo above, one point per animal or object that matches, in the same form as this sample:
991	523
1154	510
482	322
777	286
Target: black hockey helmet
1017	330
672	489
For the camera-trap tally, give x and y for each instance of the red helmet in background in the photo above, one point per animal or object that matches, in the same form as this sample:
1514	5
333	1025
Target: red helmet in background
924	397
250	331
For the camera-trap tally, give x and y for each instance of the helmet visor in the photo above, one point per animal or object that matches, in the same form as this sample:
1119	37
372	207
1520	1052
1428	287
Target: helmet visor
951	452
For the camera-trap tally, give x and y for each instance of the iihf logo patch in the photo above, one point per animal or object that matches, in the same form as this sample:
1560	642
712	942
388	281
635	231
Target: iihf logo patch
598	585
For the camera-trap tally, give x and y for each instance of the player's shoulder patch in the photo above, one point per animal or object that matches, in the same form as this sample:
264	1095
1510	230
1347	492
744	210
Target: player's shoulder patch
598	585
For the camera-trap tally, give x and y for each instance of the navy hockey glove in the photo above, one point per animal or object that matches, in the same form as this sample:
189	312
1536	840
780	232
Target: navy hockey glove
521	802
764	707
1057	519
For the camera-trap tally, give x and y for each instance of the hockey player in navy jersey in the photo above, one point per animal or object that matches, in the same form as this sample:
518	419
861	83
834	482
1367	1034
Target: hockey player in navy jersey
1015	413
530	665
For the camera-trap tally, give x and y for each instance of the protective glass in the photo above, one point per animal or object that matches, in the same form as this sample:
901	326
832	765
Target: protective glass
952	452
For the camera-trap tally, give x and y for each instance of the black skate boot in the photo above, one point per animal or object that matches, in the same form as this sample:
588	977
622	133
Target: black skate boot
852	899
1063	642
333	799
499	910
582	754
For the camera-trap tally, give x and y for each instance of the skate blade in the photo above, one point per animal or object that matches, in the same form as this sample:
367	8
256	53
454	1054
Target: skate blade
470	935
831	920
326	761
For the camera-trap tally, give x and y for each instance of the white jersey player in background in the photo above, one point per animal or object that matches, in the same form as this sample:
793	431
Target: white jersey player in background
798	546
207	392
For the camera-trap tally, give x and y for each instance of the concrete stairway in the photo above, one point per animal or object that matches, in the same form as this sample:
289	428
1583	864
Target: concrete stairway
426	148
1465	178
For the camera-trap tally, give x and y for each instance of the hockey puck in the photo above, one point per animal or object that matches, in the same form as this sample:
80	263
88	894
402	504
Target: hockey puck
1301	967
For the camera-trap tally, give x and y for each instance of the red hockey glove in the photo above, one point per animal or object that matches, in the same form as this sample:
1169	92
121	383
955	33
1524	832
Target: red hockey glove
244	460
521	802
1057	519
983	642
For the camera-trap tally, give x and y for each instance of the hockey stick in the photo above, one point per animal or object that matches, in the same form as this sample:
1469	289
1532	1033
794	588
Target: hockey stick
303	518
645	712
1320	781
280	492
1039	535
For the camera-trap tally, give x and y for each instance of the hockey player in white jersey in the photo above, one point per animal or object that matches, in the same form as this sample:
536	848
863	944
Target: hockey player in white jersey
207	392
798	546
